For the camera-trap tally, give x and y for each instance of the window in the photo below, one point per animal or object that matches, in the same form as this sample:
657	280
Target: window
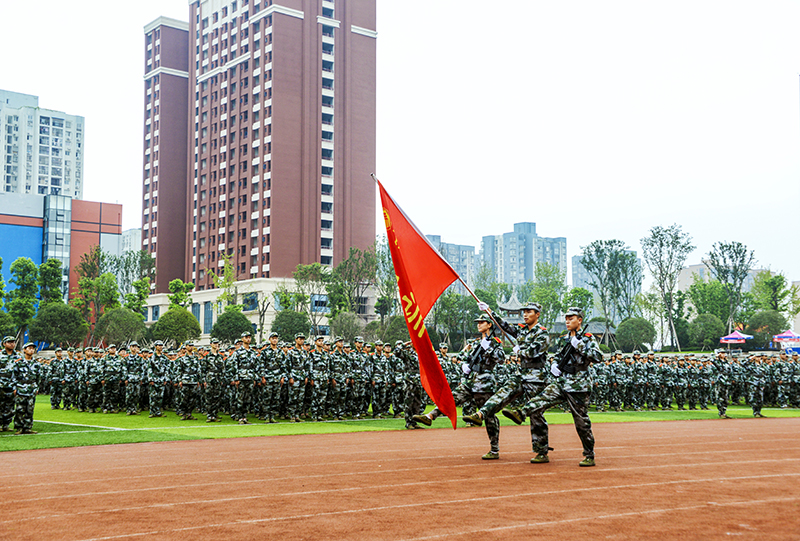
155	313
250	302
319	303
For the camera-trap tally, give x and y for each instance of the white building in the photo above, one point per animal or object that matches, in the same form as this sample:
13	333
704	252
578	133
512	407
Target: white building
702	270
253	295
42	150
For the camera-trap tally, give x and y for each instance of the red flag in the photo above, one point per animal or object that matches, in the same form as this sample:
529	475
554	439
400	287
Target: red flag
422	275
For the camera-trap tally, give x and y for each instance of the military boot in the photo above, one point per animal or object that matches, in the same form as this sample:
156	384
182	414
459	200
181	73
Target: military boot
515	415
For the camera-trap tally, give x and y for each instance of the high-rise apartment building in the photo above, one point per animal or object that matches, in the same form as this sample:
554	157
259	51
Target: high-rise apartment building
460	256
513	256
42	149
278	127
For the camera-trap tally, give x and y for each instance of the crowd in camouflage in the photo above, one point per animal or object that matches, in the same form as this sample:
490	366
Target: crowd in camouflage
333	379
327	378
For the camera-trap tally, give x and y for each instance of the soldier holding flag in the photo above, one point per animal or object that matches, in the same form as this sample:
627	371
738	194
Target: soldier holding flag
479	383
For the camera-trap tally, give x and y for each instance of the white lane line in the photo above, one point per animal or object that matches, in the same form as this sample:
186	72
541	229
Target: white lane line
320	491
459	501
77	424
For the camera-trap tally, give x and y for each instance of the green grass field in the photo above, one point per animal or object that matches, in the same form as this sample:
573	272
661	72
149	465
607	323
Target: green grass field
59	428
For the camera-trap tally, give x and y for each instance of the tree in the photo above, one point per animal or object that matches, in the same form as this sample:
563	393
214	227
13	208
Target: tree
580	297
179	293
120	326
176	326
130	267
49	282
231	324
312	282
350	280
347	325
94	296
451	316
730	263
709	297
137	299
635	333
705	330
599	258
385	280
226	283
653	311
59	324
22	299
626	283
396	329
289	322
263	304
763	326
772	292
6	324
549	288
665	252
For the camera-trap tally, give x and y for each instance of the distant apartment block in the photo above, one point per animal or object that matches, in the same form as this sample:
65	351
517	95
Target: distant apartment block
460	256
42	149
686	277
513	256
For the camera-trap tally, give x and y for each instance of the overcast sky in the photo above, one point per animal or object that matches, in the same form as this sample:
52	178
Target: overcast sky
594	119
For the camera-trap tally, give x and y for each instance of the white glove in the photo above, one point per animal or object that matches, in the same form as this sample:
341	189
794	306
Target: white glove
465	369
483	307
515	350
554	370
575	342
485	343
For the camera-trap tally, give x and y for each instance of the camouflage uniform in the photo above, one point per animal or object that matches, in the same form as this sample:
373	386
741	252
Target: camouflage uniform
295	378
479	384
55	373
412	386
572	385
530	376
24	374
133	366
272	360
243	363
7	362
157	379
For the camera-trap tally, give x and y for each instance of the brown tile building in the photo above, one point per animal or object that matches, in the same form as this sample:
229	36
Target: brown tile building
259	137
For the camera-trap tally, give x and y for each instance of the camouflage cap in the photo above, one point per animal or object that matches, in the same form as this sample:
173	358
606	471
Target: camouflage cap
112	346
246	333
636	352
29	345
574	311
347	345
123	347
9	338
378	343
58	349
133	343
300	335
533	306
215	340
158	343
273	334
319	337
442	345
338	339
358	339
398	343
483	318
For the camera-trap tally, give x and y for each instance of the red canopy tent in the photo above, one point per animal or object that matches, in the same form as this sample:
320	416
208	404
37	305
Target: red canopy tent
735	338
786	336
